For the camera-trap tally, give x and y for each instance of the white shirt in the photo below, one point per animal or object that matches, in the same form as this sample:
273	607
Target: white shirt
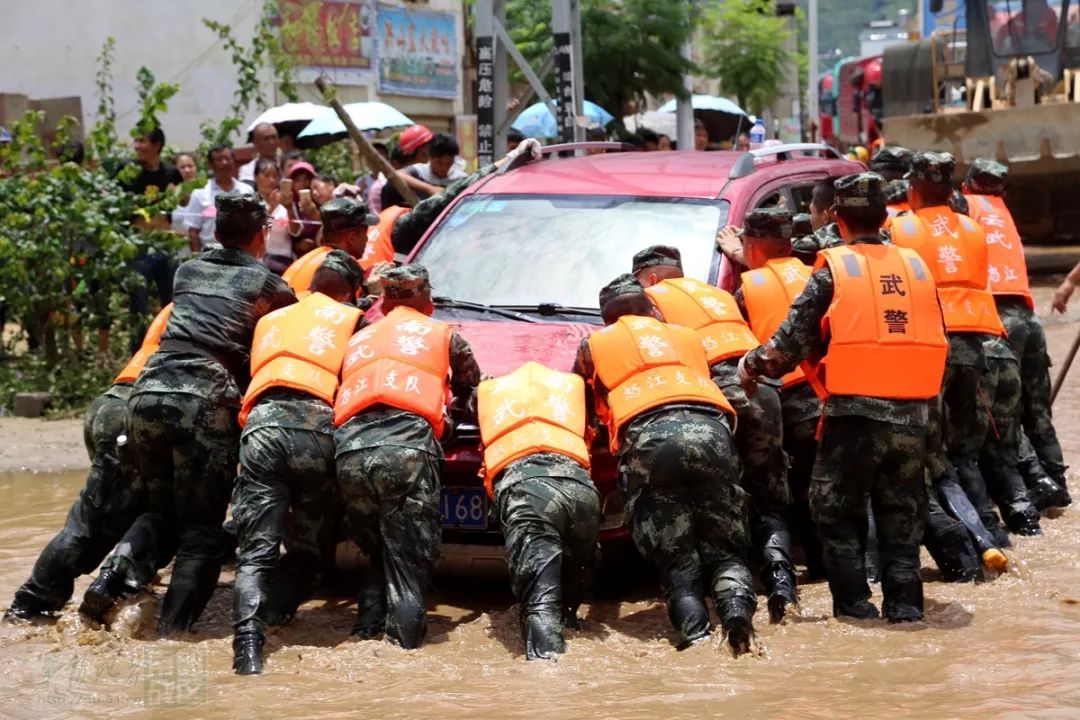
278	240
247	171
423	171
200	212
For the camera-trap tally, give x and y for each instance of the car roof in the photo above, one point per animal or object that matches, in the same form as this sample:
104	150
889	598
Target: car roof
683	174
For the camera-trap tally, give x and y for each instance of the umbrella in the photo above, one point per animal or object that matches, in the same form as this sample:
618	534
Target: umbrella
366	116
663	123
290	118
706	102
537	121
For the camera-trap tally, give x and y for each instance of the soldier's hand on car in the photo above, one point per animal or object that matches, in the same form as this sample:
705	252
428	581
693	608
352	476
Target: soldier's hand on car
746	380
729	242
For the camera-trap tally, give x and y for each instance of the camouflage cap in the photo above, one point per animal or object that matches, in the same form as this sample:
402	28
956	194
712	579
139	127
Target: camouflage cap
657	255
859	190
346	213
896	191
625	284
892	158
236	207
405	281
768	223
344	265
801	225
932	166
986	177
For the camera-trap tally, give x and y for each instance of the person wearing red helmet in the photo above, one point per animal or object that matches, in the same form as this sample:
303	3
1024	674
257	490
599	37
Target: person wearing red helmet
414	143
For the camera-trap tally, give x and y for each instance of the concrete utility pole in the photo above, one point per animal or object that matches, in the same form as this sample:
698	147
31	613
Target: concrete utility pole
569	74
684	109
812	101
786	107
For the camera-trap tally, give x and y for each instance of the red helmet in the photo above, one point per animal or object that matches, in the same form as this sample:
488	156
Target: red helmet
413	138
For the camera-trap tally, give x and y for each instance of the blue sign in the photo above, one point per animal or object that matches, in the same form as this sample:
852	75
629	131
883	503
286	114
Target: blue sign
418	52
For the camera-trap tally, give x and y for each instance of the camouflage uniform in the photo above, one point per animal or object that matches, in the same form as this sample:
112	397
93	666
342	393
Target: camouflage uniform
1028	339
870	447
800	409
807	247
550	512
687	513
411	227
105	508
1001	450
183	409
388	467
286	461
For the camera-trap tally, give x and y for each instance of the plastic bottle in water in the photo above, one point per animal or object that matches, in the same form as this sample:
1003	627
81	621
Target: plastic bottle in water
757	134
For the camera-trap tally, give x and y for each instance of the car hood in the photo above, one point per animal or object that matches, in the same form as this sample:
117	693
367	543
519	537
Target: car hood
502	347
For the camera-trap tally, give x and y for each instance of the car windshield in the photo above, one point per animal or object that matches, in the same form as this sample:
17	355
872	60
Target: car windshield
528	250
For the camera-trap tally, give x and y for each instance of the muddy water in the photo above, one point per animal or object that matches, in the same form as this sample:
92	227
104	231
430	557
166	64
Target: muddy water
1009	648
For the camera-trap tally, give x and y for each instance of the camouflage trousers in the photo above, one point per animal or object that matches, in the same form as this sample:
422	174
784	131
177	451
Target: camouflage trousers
1028	340
550	514
104	510
1001	451
185	452
391	497
802	412
759	439
857	459
281	468
685	508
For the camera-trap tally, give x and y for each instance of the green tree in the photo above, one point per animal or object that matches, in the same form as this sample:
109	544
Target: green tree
744	48
629	47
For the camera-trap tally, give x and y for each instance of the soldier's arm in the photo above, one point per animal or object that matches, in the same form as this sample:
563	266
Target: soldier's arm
740	301
464	378
799	337
583	366
278	293
411	227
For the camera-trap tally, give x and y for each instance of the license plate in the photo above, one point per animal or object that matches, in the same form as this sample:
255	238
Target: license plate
464	507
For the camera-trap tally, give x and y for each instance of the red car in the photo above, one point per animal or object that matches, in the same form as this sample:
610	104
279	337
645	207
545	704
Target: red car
517	262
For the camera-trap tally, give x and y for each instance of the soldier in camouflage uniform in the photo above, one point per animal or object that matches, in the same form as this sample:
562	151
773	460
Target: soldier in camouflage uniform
823	221
1001	450
286	461
388	467
183	428
1045	473
101	514
758	436
869	445
799	404
408	229
891	162
686	510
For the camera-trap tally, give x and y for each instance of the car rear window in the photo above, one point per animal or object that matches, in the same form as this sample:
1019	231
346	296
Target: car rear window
526	250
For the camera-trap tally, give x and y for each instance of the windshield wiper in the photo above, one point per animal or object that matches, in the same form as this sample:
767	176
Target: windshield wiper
445	302
550	309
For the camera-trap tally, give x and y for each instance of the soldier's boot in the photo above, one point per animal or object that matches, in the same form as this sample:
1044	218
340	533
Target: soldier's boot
190	588
901	583
780	581
371	602
1024	522
951	546
248	652
103	593
974	485
542	632
24	606
736	611
689	616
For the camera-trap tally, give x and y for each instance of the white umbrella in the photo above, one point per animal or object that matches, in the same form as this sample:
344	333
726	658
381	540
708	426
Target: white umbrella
366	116
706	102
658	122
290	117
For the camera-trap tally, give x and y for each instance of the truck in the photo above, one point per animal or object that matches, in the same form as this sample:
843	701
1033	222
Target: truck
1002	81
851	102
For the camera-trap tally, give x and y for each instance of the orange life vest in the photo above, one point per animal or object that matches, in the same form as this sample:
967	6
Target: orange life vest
886	336
300	347
149	346
1008	267
402	360
708	311
954	246
644	364
768	293
303	269
380	246
532	410
898	208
